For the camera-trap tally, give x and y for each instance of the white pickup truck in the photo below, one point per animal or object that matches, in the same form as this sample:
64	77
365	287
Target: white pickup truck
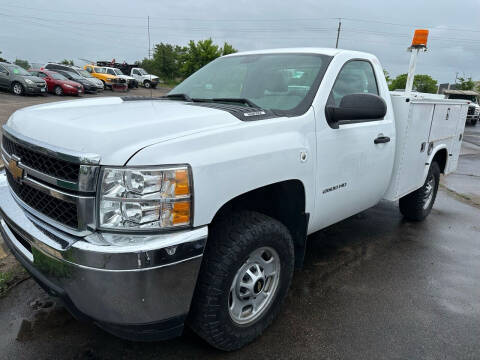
144	78
197	211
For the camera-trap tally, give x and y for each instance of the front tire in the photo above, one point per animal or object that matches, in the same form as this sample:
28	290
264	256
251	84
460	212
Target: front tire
147	84
58	90
417	205
18	88
245	275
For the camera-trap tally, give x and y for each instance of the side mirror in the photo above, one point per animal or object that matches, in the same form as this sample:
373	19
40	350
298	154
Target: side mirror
355	108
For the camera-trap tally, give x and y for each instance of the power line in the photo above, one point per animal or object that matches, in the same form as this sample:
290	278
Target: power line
277	19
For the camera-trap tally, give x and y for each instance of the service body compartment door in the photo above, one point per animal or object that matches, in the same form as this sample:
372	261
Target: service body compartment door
447	126
412	124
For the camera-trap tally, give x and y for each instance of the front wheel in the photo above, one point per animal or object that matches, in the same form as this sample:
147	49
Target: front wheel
58	90
147	84
245	275
417	205
18	89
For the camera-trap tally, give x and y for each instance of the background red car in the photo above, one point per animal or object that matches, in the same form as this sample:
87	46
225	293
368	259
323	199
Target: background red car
57	83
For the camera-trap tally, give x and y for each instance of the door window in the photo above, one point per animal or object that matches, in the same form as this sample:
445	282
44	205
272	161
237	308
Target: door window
111	72
356	76
136	72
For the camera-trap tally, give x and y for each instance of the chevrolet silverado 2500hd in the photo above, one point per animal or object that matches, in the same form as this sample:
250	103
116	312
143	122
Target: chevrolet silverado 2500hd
198	210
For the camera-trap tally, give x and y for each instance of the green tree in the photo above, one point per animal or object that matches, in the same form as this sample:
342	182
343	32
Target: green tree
421	83
22	63
2	59
198	55
465	84
67	62
166	61
228	49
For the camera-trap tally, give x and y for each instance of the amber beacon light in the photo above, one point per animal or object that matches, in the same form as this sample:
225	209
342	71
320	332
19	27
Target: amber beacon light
420	38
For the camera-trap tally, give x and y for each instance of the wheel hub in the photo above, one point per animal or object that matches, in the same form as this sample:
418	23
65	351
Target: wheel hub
254	286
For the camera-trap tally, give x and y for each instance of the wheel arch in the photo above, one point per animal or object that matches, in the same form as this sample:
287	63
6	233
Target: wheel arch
441	156
283	201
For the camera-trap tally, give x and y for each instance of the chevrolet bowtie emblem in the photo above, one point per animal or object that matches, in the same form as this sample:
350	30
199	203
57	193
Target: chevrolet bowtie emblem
15	170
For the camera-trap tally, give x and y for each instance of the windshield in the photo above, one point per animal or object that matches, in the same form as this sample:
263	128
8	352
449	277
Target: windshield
118	71
85	73
471	98
57	76
17	70
142	72
73	76
271	81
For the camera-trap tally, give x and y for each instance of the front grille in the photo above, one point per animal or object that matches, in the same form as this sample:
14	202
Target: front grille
46	164
62	211
471	110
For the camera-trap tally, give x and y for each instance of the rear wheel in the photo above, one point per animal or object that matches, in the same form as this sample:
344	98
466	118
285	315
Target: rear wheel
18	88
474	122
417	205
245	275
58	90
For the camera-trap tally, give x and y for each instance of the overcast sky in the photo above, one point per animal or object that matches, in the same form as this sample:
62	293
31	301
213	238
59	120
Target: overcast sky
41	31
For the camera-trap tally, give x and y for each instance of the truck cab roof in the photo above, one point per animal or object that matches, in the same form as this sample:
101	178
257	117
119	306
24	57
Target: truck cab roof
306	50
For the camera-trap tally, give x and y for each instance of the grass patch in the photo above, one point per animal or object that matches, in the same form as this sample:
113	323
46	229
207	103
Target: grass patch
5	279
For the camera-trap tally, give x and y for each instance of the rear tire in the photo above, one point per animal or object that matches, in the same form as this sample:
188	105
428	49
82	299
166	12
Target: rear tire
417	205
245	275
18	88
474	122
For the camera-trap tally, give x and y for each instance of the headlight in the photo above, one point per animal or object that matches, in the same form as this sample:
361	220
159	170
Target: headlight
29	82
144	199
108	80
69	86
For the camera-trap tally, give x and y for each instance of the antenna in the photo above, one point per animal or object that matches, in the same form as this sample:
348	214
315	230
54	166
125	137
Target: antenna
149	50
338	31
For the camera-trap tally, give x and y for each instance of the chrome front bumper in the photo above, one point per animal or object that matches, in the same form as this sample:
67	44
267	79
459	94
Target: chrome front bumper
115	280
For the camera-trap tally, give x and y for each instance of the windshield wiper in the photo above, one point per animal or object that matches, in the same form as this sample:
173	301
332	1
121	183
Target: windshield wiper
178	97
243	101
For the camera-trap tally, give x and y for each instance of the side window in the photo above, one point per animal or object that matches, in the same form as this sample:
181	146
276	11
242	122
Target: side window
136	72
89	69
111	72
3	70
356	76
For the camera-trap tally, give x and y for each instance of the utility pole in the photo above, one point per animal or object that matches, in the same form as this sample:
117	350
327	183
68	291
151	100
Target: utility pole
338	31
148	30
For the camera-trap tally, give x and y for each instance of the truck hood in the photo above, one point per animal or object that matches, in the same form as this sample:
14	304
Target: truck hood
115	128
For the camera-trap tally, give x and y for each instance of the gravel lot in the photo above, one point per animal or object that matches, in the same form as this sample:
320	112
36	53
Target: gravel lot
373	287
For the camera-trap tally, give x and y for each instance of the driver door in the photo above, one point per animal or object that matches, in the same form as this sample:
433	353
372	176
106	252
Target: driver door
353	170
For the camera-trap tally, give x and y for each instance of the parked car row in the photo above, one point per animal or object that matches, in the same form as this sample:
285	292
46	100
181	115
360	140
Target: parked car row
60	79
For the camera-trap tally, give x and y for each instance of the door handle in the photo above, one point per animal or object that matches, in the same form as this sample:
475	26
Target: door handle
381	139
